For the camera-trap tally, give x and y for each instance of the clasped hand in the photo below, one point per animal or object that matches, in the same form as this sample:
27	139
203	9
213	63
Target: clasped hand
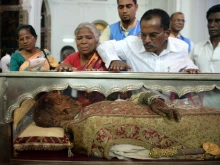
159	107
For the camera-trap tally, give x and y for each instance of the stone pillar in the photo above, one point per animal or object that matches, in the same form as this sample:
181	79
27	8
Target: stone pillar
24	12
32	13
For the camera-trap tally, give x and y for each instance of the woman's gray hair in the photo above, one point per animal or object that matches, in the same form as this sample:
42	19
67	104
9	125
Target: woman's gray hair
91	26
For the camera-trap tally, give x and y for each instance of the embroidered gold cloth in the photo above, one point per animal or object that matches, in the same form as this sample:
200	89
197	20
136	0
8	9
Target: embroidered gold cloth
103	124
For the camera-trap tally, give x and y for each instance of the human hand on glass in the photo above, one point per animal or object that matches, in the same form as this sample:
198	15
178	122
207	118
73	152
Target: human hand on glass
118	65
64	67
90	69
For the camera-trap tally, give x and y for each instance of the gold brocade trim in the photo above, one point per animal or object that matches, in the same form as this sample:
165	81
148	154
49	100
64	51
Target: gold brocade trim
190	132
116	139
41	146
77	121
84	132
158	153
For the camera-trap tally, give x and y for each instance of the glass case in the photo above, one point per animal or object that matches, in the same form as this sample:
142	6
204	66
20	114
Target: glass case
200	90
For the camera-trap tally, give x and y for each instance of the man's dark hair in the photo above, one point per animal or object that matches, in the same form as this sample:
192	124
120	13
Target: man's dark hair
175	13
67	47
65	51
27	27
213	9
10	51
135	1
164	17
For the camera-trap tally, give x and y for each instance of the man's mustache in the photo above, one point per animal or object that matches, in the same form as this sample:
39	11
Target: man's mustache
149	44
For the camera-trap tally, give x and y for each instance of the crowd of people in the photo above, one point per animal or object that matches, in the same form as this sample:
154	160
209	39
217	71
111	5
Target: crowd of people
152	44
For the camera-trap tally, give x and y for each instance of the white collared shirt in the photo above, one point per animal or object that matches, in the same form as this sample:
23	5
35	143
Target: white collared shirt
172	59
206	57
5	62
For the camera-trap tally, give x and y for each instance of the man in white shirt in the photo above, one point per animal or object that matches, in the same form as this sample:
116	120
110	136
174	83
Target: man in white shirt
206	54
153	51
5	61
177	22
128	25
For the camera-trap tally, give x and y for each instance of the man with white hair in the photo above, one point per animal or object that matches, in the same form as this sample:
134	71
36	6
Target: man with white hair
177	22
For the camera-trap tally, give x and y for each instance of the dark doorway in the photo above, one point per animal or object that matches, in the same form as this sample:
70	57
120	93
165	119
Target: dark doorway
9	21
9	2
